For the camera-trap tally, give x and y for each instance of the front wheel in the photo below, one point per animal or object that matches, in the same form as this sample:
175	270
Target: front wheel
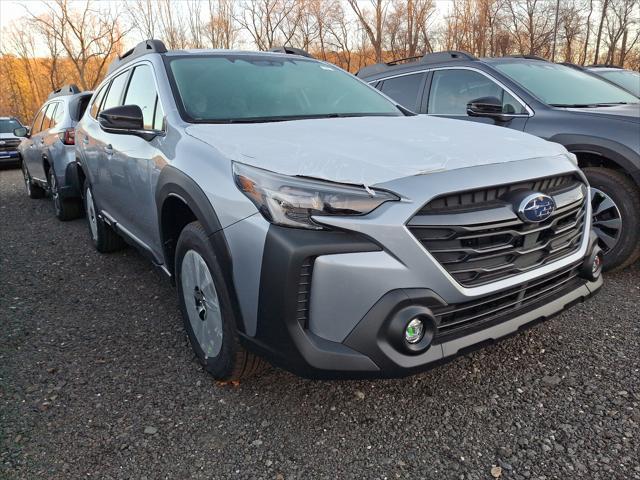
206	308
615	207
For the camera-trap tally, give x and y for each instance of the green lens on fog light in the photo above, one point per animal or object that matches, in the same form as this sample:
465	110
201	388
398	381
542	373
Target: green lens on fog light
414	331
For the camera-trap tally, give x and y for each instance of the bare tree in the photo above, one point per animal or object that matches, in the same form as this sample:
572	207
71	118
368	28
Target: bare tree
622	18
372	22
269	22
143	17
221	30
89	37
603	16
533	25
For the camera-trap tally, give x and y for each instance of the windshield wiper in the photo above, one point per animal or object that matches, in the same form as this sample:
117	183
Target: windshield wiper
285	118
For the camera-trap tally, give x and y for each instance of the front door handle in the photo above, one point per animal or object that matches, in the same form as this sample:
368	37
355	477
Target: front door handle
85	140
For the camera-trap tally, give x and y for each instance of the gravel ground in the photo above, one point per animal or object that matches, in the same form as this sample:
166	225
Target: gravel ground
98	381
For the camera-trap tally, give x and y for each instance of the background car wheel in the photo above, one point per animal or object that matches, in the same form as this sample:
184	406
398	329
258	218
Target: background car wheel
104	239
615	203
33	190
206	308
64	209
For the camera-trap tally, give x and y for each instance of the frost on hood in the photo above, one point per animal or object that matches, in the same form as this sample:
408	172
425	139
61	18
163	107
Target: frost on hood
370	150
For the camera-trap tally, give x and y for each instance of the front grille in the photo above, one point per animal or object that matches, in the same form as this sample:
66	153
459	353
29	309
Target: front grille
482	198
456	320
10	145
304	292
493	243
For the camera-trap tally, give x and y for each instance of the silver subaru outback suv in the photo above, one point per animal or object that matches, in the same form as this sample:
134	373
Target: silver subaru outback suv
308	219
47	151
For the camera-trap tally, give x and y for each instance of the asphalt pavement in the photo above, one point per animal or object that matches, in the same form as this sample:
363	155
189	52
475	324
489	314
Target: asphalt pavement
97	380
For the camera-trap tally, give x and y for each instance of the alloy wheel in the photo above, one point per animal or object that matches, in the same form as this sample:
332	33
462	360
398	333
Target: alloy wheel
202	304
606	219
91	215
55	195
27	181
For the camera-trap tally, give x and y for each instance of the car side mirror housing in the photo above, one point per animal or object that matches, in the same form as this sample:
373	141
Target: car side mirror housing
485	107
21	132
125	120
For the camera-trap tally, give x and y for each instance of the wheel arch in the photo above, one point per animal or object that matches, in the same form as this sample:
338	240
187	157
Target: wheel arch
600	152
178	196
180	201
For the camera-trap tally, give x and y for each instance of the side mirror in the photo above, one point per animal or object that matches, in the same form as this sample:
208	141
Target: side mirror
21	132
485	107
127	120
121	119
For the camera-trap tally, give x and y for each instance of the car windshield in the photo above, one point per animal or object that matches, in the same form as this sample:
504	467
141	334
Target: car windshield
625	78
8	125
563	86
258	88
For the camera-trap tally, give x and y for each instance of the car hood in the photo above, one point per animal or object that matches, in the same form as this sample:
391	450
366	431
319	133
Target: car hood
7	136
370	150
629	112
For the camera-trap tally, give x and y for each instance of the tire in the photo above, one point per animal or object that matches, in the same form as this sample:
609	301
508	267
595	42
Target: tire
615	201
206	309
33	190
64	208
103	237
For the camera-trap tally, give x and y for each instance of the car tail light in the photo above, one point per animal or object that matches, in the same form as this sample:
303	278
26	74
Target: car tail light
68	136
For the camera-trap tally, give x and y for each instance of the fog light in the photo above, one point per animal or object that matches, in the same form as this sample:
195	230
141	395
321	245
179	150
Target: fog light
414	331
596	266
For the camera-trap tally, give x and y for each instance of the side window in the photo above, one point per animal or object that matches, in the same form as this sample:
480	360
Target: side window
95	106
47	123
81	107
114	95
142	92
451	90
58	116
37	122
404	90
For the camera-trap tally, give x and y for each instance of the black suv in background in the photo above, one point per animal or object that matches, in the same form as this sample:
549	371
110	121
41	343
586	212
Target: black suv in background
8	141
592	118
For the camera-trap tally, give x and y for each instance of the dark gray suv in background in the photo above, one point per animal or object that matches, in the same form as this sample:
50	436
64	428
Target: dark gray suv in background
594	119
48	154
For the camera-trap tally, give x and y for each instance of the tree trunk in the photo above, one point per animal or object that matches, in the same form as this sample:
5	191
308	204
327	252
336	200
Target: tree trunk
605	5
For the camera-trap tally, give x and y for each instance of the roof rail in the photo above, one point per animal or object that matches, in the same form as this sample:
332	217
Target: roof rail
604	65
435	57
70	89
147	46
572	65
291	51
528	57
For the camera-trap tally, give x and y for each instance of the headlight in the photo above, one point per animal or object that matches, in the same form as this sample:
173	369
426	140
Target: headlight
291	201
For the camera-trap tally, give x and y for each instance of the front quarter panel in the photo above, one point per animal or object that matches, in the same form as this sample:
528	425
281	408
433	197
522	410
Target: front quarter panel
213	173
615	140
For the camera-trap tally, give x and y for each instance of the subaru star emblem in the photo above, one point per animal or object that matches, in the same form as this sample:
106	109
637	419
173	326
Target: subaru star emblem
536	208
2	142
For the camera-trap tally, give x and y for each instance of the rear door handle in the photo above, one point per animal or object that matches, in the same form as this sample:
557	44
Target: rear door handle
108	149
85	140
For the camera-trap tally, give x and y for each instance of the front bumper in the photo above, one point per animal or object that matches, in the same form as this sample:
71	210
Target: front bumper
286	335
9	157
